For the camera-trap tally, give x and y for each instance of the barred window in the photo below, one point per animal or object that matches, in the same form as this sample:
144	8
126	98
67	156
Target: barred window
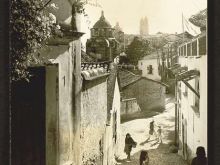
150	69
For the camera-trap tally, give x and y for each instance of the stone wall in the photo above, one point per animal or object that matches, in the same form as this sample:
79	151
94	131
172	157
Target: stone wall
150	94
93	120
129	106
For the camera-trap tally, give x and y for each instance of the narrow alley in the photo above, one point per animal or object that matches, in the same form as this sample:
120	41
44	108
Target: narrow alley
159	154
99	82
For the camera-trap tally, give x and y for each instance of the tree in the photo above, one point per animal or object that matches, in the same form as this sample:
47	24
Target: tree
137	49
30	26
199	19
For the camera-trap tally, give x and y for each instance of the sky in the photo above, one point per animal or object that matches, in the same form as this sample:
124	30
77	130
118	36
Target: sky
163	15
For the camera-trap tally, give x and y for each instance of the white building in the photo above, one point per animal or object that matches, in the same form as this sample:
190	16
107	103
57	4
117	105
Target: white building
191	96
149	66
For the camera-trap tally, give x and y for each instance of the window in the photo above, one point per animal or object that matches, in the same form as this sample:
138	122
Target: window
179	90
150	69
102	32
196	103
189	49
194	48
115	126
110	33
96	32
186	91
184	50
202	45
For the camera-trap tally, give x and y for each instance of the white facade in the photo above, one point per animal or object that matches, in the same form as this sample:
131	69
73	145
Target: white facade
192	110
149	68
113	132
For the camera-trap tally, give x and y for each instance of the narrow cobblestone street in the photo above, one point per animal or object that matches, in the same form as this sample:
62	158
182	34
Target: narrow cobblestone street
158	153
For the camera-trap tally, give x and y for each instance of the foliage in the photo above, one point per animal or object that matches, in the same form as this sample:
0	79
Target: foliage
199	19
29	28
79	6
137	49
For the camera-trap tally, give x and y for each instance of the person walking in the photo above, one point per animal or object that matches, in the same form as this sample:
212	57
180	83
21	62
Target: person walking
129	143
144	159
151	131
201	158
159	134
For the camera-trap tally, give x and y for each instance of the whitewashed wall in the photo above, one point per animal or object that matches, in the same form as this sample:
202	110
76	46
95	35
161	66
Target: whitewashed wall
143	65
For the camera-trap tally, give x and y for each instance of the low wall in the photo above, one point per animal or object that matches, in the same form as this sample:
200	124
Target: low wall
129	106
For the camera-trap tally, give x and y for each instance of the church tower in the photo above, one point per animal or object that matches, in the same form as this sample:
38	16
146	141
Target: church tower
102	45
144	27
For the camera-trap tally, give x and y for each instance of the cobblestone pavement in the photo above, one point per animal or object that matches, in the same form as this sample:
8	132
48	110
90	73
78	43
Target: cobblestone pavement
158	153
158	156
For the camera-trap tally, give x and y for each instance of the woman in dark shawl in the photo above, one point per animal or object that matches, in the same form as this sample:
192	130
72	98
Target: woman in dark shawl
129	143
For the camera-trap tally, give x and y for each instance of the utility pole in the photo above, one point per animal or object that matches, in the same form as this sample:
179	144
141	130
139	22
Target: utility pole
176	112
183	27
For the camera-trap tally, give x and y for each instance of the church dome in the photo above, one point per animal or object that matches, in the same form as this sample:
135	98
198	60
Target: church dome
102	22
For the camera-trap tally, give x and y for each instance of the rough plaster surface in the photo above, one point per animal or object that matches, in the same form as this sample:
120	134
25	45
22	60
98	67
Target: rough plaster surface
149	94
93	119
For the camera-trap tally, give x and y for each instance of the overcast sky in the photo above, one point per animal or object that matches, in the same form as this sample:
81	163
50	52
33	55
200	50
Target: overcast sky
163	15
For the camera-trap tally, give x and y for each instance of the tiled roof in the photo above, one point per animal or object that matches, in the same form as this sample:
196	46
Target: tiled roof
94	70
126	78
172	37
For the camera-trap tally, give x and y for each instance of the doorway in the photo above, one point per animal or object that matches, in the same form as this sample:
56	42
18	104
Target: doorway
28	119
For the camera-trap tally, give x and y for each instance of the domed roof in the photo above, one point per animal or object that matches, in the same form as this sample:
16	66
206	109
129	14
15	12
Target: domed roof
102	22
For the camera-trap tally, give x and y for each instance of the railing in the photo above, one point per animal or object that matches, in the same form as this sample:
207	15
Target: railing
196	47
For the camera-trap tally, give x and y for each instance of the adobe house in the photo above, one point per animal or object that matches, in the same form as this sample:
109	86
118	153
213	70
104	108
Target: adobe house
140	93
149	65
